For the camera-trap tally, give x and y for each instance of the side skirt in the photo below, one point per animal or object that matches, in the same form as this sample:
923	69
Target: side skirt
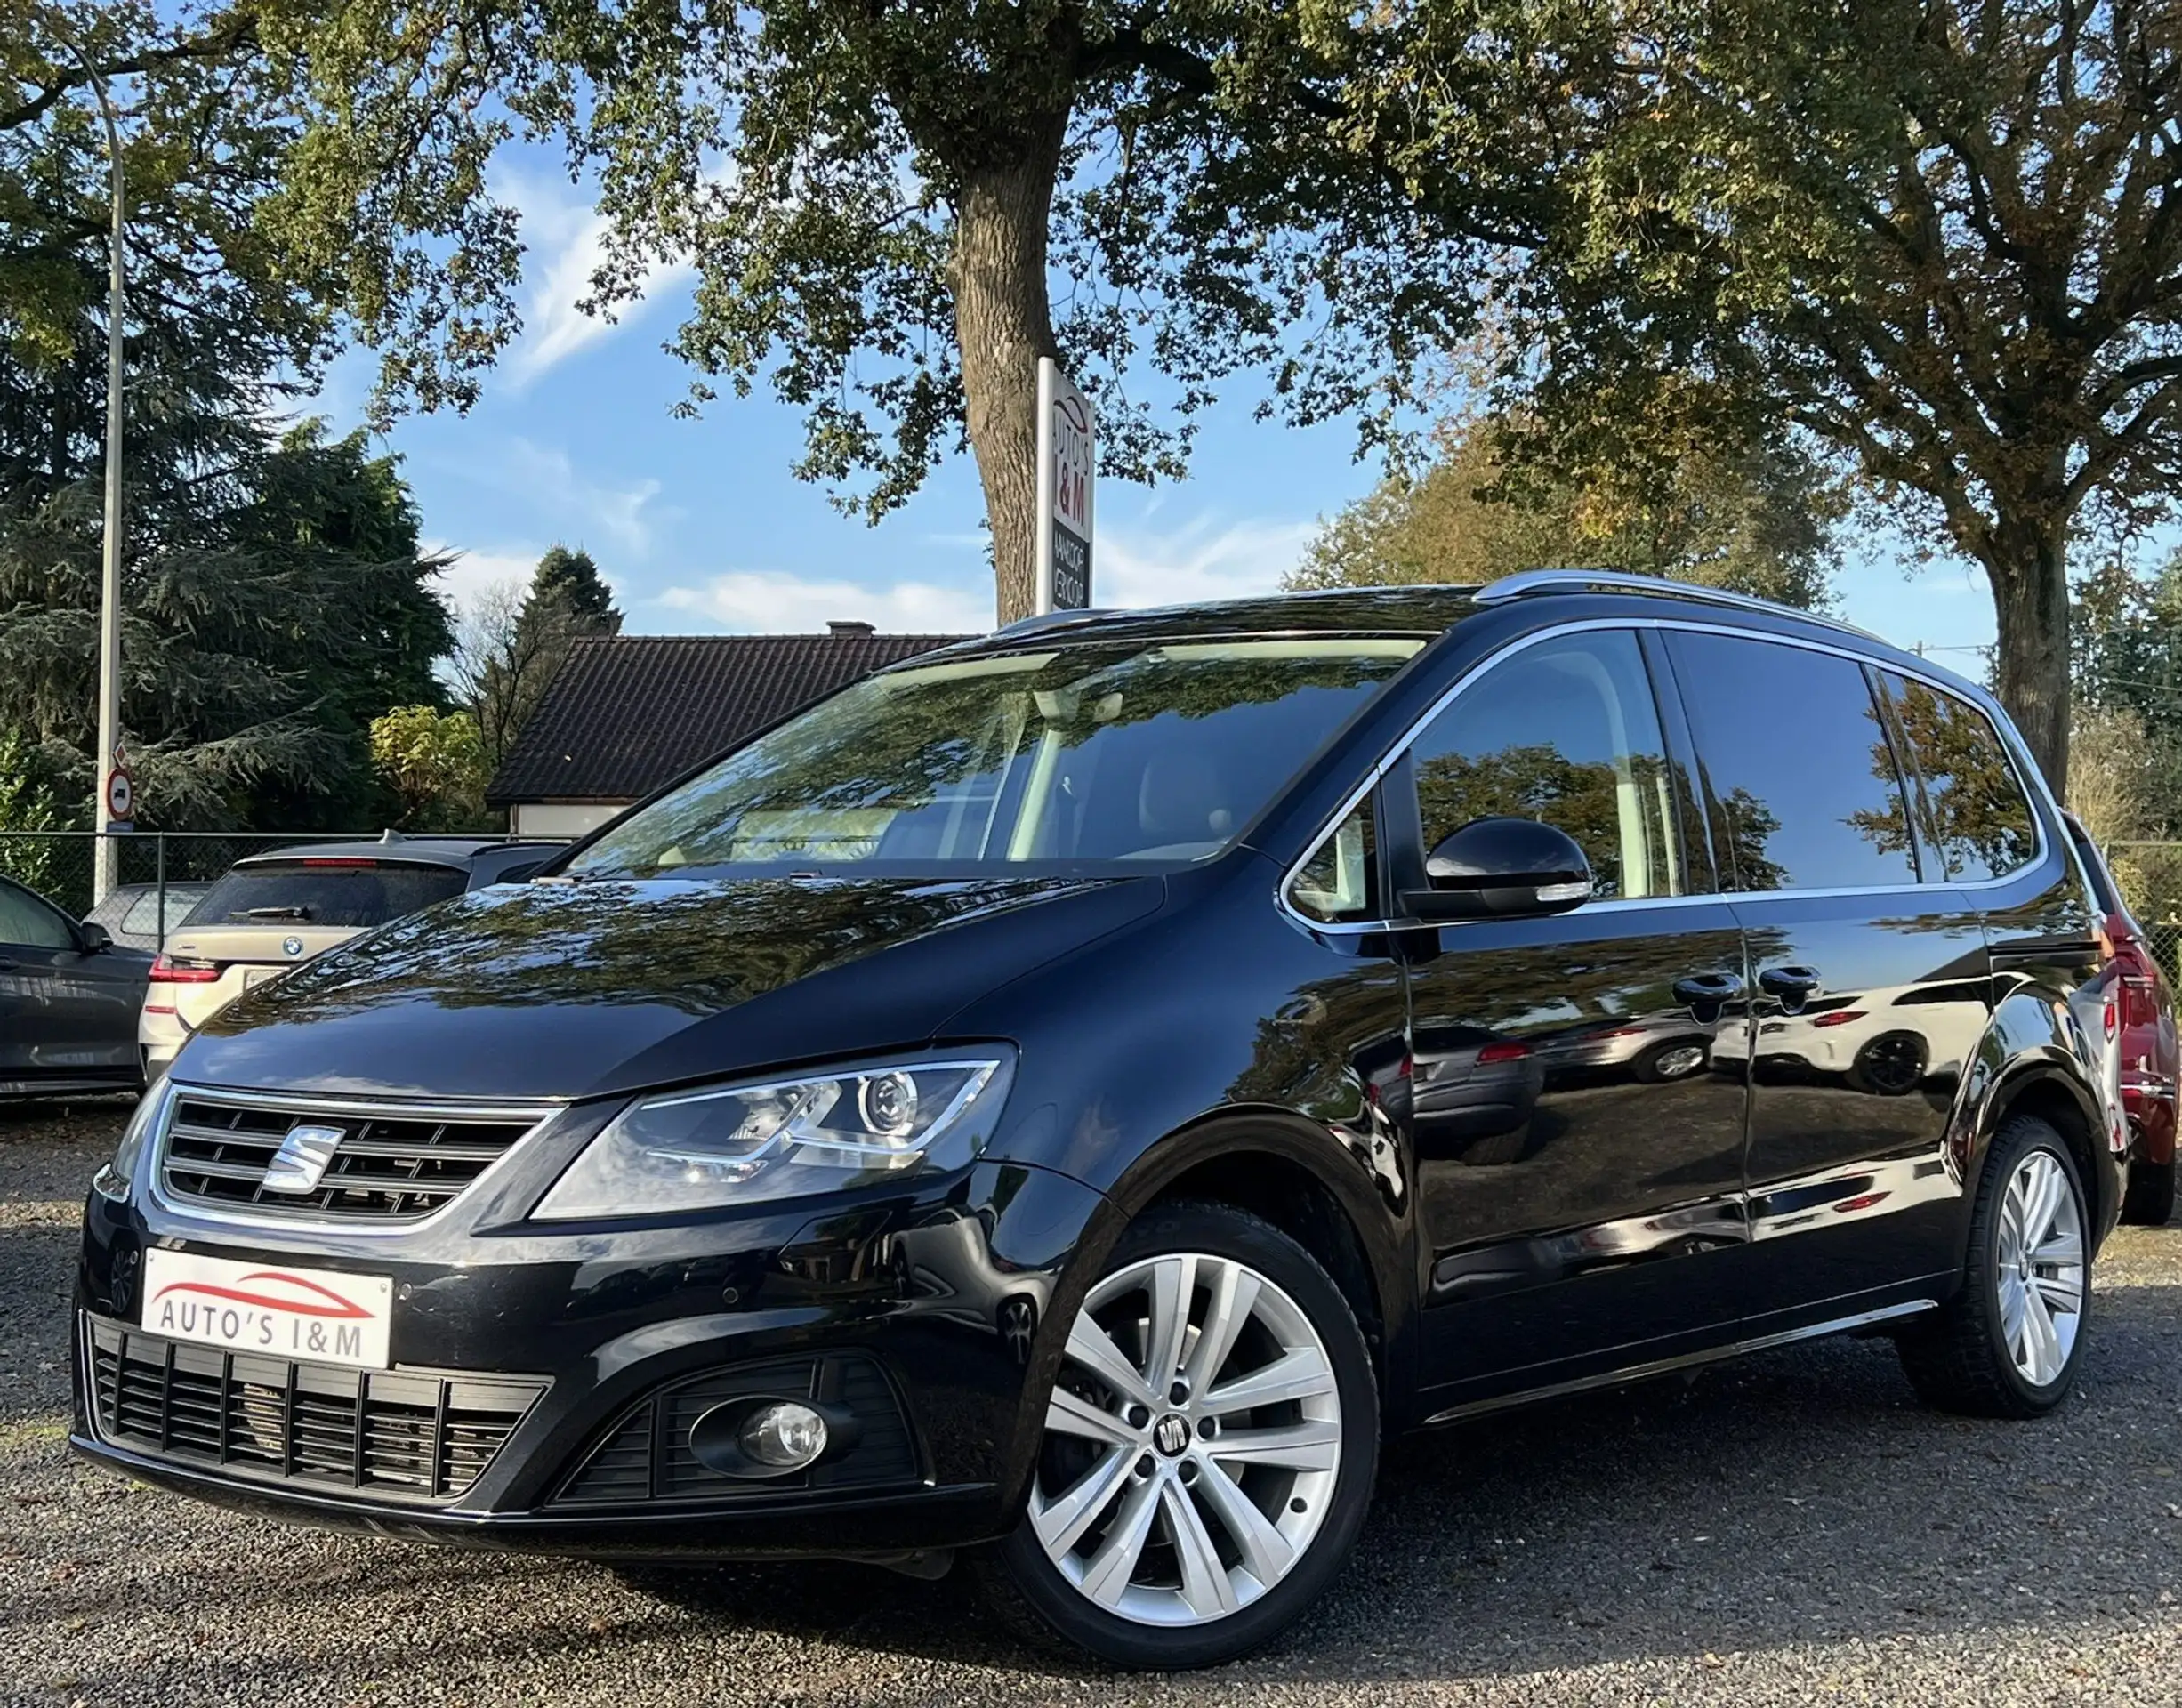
1633	1372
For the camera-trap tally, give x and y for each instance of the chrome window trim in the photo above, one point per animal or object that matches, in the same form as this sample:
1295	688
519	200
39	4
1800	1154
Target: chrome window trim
2028	778
305	1104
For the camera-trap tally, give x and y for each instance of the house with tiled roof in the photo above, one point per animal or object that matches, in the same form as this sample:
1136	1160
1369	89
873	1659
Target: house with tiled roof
627	712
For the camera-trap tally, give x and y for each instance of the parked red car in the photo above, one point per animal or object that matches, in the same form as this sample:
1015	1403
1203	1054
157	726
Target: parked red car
2148	1045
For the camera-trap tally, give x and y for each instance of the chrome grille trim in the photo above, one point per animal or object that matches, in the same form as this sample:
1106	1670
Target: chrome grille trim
400	1164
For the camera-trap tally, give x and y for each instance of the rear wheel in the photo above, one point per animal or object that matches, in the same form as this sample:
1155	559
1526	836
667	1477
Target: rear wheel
2007	1343
1208	1451
2149	1202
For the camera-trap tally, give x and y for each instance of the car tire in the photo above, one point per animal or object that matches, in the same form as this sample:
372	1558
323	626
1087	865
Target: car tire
1141	1542
2149	1200
2008	1343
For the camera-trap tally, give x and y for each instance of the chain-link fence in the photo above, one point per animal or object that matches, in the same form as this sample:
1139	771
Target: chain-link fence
164	871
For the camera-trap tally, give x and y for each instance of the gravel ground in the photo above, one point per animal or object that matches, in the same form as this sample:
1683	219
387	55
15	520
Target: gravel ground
1789	1529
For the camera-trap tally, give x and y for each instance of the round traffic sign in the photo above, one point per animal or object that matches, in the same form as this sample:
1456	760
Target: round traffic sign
120	795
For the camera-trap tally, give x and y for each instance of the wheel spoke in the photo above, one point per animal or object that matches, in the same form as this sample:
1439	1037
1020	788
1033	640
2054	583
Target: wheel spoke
1107	1578
2011	1316
1311	1445
2042	1199
1073	1414
2059	1292
1063	1522
1234	1295
2043	1344
1204	1579
1091	1347
1266	1554
1300	1373
2063	1250
1174	1282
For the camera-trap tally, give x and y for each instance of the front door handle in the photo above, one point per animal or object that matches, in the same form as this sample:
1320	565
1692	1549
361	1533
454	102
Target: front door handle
1708	989
1792	985
9	966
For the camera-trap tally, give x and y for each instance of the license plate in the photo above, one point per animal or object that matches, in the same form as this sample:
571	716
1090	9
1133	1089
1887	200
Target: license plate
260	975
312	1316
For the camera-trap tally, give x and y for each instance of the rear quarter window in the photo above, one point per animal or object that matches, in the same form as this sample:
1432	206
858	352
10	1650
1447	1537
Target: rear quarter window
329	895
1978	817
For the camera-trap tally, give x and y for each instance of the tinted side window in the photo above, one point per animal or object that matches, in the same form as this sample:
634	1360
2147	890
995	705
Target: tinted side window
26	920
1977	814
1566	731
1805	789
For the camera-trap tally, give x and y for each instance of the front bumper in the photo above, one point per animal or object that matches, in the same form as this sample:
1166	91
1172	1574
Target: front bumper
545	1383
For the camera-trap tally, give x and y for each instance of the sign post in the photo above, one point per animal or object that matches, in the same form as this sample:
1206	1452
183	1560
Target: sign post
1062	538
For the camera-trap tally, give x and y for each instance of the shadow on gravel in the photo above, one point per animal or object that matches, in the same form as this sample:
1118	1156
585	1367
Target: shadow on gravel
1802	1497
1799	1497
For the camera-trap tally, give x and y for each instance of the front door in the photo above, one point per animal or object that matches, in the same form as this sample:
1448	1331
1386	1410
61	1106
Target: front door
1871	982
61	1018
1577	1126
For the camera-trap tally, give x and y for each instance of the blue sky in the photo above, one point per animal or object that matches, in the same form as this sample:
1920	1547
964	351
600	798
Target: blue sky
701	528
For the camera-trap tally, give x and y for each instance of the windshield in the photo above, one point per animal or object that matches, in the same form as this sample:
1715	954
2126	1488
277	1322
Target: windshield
1142	752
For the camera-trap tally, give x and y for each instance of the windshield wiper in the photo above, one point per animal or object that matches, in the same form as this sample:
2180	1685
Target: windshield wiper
275	912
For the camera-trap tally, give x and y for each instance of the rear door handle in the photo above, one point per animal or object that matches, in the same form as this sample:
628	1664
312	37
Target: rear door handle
1791	984
1708	989
9	966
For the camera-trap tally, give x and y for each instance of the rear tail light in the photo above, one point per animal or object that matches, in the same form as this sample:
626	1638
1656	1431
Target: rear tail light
179	969
1840	1017
2128	955
1506	1050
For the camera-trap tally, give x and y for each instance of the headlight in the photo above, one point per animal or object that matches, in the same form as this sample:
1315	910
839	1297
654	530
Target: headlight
114	1180
743	1144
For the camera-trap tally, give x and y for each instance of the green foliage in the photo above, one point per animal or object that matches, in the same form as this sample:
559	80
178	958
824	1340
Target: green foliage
569	581
433	763
1941	235
30	801
1758	523
2126	664
877	200
274	599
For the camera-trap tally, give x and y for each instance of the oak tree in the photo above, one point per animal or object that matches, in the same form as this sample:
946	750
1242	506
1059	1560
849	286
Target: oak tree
880	202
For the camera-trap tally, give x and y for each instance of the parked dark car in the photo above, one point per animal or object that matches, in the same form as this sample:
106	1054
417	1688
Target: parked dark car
1031	1103
68	998
140	915
2149	1055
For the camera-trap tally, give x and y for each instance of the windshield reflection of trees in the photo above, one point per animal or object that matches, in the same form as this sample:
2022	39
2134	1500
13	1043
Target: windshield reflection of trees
695	946
900	743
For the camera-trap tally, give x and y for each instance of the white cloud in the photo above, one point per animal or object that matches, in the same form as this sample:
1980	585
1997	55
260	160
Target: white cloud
1199	560
472	572
551	479
566	242
772	601
1203	559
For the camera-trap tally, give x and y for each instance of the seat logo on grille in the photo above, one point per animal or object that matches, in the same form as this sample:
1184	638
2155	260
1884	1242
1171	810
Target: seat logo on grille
303	1159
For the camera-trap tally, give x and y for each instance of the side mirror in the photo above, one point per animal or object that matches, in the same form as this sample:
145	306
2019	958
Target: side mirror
94	937
1501	868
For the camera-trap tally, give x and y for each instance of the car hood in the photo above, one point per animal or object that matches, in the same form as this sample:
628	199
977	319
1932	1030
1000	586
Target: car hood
568	990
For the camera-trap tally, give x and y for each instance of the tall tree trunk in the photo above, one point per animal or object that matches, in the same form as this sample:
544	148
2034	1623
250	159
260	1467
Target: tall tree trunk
1003	323
2030	597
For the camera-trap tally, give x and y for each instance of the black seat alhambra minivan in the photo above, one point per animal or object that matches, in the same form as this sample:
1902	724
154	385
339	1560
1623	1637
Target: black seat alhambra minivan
1067	1099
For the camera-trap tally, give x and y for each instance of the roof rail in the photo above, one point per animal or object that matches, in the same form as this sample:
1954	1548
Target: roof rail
1527	581
1046	620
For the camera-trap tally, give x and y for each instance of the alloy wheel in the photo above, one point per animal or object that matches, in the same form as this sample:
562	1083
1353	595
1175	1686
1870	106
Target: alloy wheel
1191	1444
2040	1254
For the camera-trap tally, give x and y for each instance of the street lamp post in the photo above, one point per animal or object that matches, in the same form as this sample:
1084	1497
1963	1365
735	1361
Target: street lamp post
108	765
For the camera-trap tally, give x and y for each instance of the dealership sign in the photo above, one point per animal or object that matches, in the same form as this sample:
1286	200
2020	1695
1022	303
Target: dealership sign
1063	538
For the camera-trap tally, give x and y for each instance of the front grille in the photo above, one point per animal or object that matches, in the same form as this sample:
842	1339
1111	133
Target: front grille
398	1434
393	1166
646	1455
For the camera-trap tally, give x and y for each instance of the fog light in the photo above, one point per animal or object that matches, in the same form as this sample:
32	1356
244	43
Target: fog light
783	1436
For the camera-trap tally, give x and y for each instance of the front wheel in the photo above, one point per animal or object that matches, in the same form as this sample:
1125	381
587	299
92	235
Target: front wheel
1208	1451
2007	1343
